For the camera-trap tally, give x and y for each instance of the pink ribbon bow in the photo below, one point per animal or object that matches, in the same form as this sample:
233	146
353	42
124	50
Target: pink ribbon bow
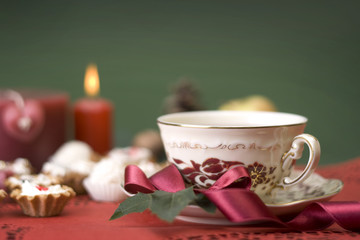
232	196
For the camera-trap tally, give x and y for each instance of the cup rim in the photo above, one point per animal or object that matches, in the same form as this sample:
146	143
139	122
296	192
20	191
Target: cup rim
298	119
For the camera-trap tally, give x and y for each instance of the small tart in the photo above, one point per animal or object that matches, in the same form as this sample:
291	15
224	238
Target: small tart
75	181
40	179
2	195
66	177
42	201
72	162
21	166
104	192
104	182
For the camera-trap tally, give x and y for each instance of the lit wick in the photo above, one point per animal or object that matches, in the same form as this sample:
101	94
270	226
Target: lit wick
91	81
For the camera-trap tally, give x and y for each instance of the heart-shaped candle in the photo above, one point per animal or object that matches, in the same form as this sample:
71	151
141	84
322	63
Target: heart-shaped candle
25	122
33	124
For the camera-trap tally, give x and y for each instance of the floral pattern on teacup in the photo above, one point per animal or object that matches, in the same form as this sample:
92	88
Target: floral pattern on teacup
205	174
259	174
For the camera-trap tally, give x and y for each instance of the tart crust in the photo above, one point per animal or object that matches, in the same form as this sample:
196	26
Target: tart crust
44	205
2	195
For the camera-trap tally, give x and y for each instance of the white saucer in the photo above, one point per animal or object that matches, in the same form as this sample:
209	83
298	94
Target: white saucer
281	202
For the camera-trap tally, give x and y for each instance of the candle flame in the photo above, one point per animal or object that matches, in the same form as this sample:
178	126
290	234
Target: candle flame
91	81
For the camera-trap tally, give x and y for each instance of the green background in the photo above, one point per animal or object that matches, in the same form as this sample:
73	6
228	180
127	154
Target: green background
303	55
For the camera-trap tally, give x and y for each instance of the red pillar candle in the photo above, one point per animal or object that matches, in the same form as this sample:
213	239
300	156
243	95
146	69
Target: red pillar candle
93	115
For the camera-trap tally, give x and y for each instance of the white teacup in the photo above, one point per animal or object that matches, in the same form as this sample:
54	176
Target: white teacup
205	144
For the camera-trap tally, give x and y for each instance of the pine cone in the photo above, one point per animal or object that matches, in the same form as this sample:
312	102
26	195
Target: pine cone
184	98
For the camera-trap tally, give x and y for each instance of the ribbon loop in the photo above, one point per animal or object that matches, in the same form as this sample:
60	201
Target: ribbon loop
169	179
136	181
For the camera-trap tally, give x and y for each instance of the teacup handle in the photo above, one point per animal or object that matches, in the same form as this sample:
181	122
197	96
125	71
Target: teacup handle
295	153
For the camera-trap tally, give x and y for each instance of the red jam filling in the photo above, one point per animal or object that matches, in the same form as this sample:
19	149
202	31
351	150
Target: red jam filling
41	188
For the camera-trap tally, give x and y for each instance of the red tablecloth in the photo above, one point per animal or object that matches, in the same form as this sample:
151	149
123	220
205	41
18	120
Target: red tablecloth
86	219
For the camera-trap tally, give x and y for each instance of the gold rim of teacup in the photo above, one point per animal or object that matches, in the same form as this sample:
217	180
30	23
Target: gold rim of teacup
187	125
229	127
